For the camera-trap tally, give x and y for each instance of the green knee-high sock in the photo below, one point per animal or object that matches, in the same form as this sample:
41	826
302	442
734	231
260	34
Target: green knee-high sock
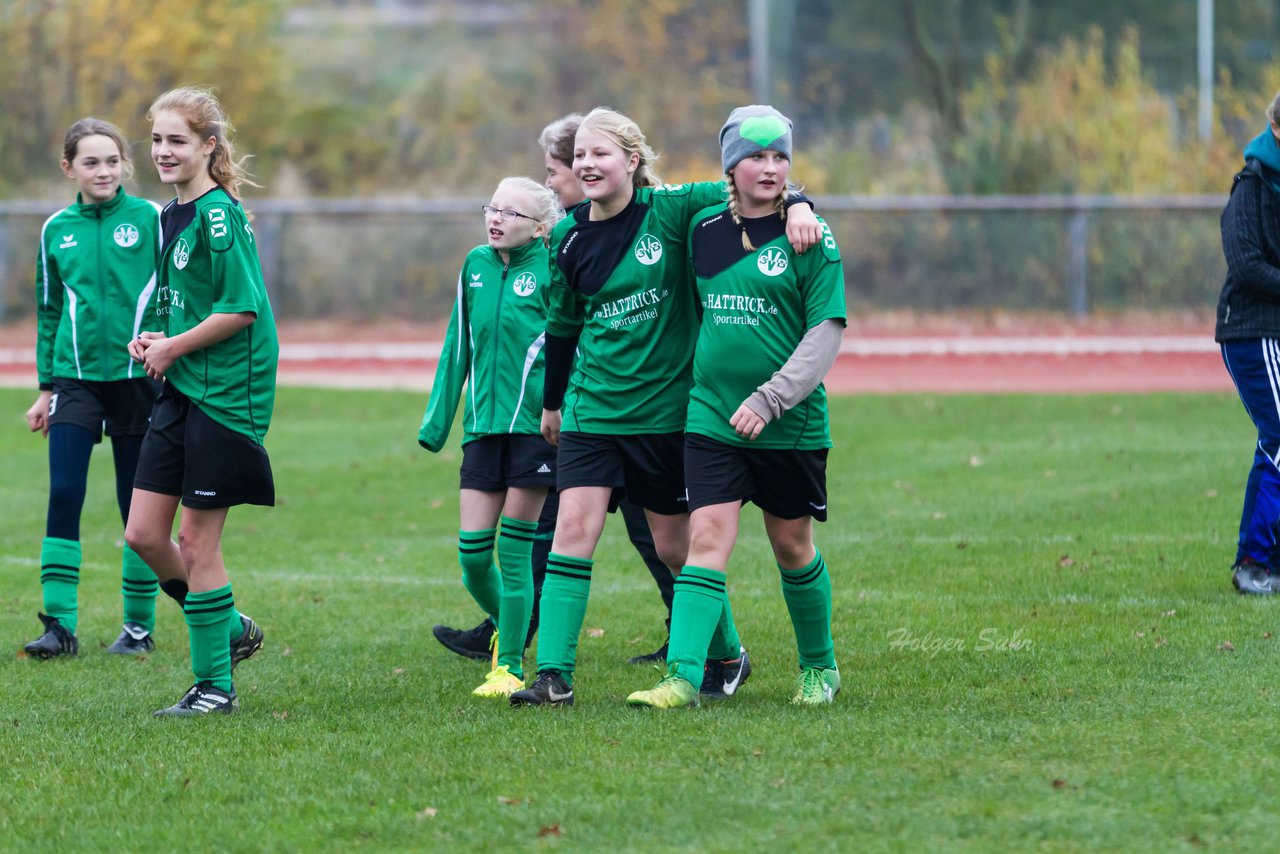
725	644
139	587
563	608
697	607
515	557
807	592
207	616
59	578
479	574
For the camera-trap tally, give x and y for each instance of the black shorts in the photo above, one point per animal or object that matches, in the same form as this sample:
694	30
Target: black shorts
784	483
648	467
493	463
121	406
187	453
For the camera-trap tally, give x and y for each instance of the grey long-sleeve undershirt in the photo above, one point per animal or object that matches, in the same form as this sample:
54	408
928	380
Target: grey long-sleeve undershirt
796	380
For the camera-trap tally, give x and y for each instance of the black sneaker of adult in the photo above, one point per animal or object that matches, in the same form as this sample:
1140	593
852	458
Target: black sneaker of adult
469	643
133	640
1253	579
55	641
549	689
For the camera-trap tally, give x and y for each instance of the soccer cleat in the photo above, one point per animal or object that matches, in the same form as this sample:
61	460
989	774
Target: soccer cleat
133	640
671	692
249	642
1253	579
658	656
548	689
55	641
721	679
500	682
202	699
816	686
469	643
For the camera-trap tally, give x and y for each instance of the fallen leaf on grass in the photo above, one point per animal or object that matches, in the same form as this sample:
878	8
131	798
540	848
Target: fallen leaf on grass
779	783
279	715
286	652
427	812
1212	493
1059	784
1226	646
1139	634
594	632
512	802
1066	560
1266	635
1169	614
549	830
757	752
398	671
1161	642
975	461
612	742
435	505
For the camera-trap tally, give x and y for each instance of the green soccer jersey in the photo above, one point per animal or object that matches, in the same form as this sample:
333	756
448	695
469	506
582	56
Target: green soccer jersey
622	287
756	306
494	345
211	267
95	288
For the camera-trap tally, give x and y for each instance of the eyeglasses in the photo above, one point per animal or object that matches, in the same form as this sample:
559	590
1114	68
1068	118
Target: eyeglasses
507	214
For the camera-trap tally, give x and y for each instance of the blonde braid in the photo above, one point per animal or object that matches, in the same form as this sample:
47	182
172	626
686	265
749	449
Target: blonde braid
737	218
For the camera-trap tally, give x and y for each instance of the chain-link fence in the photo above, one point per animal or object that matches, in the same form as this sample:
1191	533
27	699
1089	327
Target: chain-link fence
366	260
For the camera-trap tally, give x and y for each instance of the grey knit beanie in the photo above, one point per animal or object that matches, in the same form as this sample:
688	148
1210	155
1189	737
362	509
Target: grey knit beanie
751	129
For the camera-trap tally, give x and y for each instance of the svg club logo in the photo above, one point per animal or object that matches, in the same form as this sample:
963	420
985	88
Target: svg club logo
181	253
125	235
525	284
772	261
648	250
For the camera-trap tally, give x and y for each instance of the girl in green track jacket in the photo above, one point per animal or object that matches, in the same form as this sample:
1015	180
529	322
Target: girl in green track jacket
494	347
95	291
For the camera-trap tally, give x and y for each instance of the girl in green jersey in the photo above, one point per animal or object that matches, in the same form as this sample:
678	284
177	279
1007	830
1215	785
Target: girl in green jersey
620	330
757	425
218	357
494	346
95	289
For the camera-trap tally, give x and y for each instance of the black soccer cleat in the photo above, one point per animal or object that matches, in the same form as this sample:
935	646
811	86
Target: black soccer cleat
549	689
133	640
249	642
474	643
722	679
55	641
202	699
658	656
1254	579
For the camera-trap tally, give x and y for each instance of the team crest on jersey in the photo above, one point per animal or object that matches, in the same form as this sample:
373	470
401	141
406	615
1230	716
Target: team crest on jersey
772	261
648	250
125	235
475	281
68	240
525	284
181	253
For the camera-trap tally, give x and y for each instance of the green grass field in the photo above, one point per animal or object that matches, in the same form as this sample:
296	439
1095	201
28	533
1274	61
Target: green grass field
1033	617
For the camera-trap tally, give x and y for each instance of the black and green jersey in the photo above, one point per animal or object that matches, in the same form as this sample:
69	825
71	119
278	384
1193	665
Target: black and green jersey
756	306
95	288
210	266
621	287
494	345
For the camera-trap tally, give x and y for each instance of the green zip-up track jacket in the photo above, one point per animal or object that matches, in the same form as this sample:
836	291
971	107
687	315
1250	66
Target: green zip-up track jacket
95	288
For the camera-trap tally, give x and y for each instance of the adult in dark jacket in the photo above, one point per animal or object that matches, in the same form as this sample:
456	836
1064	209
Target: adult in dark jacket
1248	330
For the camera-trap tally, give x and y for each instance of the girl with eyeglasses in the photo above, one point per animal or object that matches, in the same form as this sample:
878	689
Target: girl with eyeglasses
494	347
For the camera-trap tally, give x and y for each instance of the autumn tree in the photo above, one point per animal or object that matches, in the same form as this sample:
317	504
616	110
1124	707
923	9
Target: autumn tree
65	59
